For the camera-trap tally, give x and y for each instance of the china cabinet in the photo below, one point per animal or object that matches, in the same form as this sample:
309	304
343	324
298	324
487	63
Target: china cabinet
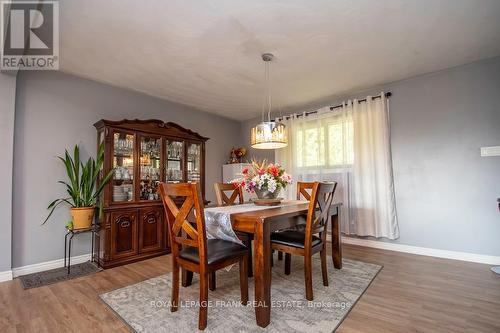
142	154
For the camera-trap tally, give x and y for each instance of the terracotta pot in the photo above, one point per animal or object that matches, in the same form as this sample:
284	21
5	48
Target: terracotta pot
263	194
82	217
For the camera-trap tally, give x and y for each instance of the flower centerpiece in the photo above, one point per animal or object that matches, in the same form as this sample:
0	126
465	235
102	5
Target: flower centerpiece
264	179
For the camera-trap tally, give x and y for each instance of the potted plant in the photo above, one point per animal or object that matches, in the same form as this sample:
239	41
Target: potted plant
266	180
83	190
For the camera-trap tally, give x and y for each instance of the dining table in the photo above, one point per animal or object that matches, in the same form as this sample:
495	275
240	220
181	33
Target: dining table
260	223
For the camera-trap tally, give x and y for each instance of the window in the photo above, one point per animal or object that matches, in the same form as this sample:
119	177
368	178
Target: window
325	143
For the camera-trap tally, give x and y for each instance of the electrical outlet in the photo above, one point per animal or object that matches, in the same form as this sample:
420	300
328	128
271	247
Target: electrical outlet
490	151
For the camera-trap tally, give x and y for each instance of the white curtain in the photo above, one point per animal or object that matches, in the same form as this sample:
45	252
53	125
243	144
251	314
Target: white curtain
350	145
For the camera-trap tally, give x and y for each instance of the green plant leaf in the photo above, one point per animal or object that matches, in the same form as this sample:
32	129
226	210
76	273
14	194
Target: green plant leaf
53	205
104	182
83	178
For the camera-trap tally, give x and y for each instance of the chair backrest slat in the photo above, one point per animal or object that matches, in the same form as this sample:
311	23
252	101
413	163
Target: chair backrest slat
183	232
302	190
223	199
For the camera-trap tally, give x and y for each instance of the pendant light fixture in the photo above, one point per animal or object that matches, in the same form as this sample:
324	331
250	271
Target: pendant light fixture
268	134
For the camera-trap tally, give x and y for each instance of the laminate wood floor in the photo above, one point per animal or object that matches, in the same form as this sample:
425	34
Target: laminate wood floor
411	294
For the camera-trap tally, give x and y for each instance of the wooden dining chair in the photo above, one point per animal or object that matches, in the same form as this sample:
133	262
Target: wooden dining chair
190	248
236	193
306	243
304	190
228	195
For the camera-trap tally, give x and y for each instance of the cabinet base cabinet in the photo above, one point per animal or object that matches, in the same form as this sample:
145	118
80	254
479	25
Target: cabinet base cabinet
129	235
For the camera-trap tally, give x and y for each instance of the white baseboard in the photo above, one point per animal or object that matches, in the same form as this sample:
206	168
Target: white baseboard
5	276
45	266
424	251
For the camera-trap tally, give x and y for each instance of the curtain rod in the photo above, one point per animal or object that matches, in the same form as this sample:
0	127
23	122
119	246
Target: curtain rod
387	95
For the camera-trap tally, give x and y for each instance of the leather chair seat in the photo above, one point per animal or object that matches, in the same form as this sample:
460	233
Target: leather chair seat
293	238
217	250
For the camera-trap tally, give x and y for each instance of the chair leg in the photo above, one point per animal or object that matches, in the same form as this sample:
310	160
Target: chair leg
324	270
212	284
202	316
308	277
272	258
288	259
175	286
187	277
244	280
280	255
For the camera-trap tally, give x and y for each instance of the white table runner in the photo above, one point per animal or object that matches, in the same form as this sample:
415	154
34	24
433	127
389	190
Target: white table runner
218	219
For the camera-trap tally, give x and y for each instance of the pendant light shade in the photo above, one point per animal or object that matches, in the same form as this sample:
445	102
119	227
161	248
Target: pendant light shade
268	134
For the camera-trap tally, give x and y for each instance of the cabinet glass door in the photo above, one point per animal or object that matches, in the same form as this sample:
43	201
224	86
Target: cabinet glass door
123	164
193	162
150	154
174	163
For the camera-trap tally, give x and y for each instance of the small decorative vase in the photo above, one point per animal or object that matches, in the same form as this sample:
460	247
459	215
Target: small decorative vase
264	194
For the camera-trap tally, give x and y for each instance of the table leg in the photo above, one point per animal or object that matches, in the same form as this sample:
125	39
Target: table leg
250	259
262	273
187	277
336	246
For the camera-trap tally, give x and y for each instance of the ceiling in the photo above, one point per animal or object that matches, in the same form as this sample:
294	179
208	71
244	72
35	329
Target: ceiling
206	53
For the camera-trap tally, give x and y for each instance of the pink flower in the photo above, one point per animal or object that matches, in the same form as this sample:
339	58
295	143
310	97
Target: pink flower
286	178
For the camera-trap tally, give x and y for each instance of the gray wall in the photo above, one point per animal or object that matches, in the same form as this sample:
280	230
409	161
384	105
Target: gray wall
55	111
7	111
445	192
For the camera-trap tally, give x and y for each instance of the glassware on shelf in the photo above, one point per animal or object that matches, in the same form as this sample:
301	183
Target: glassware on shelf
151	147
174	175
124	144
175	157
175	150
123	164
193	162
149	168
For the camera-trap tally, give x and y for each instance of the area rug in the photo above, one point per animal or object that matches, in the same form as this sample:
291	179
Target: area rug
145	306
40	279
